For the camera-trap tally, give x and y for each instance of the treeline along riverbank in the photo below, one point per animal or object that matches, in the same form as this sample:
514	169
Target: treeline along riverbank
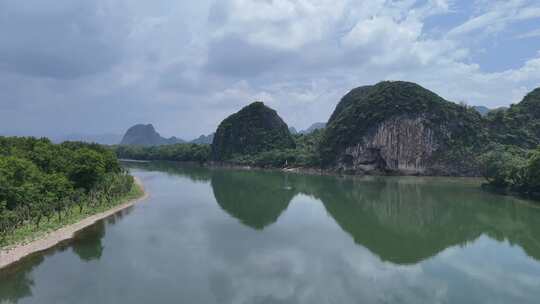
45	186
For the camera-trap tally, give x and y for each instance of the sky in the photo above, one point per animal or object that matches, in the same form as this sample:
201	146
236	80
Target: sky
101	66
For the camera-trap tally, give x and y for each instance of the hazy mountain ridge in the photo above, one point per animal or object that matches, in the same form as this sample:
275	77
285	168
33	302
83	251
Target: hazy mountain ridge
146	135
204	139
313	127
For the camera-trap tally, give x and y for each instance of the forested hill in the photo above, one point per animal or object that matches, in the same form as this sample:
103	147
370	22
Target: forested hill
402	127
254	129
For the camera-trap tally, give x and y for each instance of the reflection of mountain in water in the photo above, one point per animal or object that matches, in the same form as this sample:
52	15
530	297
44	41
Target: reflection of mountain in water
255	199
400	222
403	220
406	220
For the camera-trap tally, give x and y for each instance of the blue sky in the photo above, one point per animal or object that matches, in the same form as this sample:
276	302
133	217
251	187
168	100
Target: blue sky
74	66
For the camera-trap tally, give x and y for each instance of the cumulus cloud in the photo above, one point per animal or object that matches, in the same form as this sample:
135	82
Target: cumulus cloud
171	63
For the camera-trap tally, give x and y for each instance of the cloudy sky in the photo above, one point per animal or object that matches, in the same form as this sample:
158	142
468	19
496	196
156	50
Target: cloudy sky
78	66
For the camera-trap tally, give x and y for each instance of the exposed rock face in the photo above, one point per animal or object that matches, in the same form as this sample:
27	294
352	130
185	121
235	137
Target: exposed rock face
146	135
254	129
402	128
399	144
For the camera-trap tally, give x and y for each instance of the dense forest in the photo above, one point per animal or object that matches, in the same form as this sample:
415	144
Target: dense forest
40	181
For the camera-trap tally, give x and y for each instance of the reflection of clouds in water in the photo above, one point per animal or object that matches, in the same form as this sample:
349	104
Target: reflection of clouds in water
181	246
283	265
303	258
481	264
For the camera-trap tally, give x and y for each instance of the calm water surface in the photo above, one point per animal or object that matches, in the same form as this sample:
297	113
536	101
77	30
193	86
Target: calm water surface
221	236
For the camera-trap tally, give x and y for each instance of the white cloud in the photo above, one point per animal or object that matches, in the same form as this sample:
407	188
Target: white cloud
282	24
183	60
497	16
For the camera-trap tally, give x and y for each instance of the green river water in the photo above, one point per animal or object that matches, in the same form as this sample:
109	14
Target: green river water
226	236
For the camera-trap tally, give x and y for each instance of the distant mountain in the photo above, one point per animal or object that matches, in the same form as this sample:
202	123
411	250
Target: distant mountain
313	127
482	110
254	129
203	139
146	135
103	139
293	130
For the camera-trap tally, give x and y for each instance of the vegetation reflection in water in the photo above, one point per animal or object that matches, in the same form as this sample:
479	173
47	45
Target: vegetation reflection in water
402	220
16	281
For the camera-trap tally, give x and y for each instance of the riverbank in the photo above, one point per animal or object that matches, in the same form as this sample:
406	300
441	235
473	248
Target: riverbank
47	239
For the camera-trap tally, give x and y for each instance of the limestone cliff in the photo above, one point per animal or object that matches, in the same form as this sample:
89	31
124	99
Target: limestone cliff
400	127
400	144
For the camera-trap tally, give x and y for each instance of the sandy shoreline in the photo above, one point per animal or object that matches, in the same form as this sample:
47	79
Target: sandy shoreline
12	255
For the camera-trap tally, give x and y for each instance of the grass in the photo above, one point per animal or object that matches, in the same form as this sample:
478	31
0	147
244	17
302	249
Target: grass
30	232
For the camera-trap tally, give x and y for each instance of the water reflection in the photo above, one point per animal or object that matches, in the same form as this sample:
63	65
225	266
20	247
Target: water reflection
254	199
309	239
87	243
16	281
403	220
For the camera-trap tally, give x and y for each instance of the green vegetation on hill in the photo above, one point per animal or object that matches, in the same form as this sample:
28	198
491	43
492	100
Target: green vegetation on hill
458	129
254	129
177	152
41	182
305	154
518	125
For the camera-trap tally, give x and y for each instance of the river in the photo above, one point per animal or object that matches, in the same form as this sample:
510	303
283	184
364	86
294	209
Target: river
227	236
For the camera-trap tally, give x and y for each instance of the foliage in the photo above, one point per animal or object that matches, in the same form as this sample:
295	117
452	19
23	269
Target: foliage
253	130
39	179
519	125
177	152
513	169
305	154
